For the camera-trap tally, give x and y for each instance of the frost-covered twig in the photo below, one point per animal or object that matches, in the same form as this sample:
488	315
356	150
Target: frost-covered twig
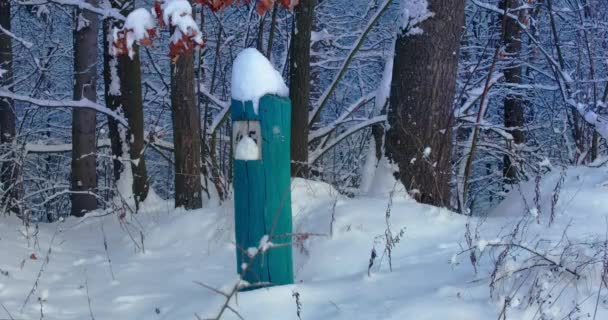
84	103
105	247
316	154
103	12
358	43
86	286
45	262
10	316
25	43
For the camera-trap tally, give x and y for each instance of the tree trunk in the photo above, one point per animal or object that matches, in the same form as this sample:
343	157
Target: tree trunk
84	175
513	105
112	99
300	87
421	100
186	134
9	170
130	99
132	103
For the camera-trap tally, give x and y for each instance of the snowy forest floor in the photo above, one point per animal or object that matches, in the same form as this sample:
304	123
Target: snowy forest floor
63	271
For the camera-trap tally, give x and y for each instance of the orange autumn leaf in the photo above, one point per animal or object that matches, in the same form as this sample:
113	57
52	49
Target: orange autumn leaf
264	6
158	11
289	4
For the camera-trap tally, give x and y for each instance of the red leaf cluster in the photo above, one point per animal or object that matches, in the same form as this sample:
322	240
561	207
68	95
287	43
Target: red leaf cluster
183	46
217	5
121	46
265	5
158	11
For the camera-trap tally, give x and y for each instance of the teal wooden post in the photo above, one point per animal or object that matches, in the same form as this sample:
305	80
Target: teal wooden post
262	194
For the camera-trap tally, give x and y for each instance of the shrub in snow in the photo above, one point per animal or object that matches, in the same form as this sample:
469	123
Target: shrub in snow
253	77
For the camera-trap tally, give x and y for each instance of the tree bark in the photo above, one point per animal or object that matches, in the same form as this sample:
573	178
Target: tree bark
130	99
132	103
421	100
186	134
112	100
513	105
300	87
84	173
9	171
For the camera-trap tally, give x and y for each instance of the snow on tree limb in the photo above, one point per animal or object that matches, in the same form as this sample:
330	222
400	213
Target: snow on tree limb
334	124
562	77
475	93
316	154
104	12
25	43
358	43
224	105
84	103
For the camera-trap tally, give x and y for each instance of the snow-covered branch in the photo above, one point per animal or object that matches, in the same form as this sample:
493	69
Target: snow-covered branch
476	93
334	84
25	43
103	12
84	103
224	105
321	132
316	154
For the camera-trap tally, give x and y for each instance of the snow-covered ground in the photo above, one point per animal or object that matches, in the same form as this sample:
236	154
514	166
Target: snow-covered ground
153	260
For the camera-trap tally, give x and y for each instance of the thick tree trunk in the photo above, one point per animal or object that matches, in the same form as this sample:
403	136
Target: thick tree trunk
84	175
112	99
300	87
186	134
9	171
421	100
513	105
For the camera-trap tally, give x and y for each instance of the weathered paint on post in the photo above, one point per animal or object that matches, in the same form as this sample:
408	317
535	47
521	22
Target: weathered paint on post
262	194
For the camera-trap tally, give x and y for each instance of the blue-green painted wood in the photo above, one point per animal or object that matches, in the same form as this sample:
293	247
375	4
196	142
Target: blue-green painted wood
262	193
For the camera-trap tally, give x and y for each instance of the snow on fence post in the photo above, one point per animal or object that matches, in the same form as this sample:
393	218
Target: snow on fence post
261	119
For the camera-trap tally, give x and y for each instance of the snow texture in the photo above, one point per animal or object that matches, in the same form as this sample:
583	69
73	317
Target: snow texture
413	12
136	27
178	13
247	149
253	77
429	280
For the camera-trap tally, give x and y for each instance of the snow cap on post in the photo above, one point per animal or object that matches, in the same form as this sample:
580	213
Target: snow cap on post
253	77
